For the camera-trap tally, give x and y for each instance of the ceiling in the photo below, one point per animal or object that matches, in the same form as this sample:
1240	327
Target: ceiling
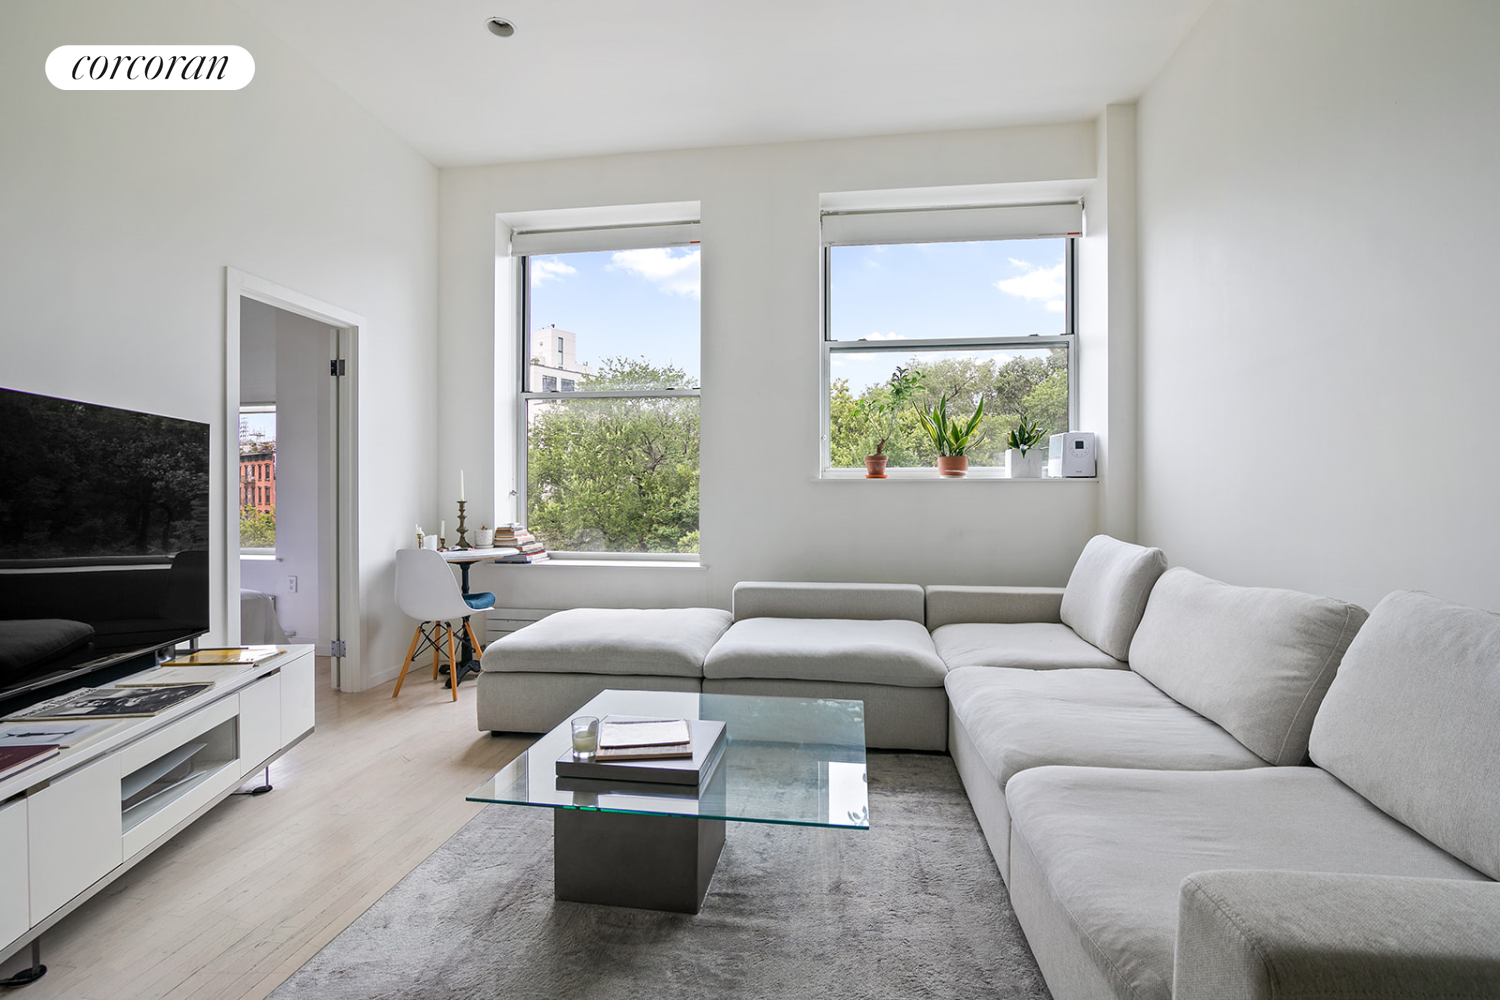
588	77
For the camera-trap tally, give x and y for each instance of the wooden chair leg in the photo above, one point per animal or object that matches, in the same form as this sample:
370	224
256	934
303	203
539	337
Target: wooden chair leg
473	639
416	636
453	669
437	638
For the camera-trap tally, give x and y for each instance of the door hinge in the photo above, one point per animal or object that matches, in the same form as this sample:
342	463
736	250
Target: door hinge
336	368
338	648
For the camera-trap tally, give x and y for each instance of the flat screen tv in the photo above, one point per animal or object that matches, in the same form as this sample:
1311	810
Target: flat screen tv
104	520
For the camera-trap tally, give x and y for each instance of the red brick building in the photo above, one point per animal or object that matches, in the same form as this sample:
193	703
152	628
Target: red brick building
258	479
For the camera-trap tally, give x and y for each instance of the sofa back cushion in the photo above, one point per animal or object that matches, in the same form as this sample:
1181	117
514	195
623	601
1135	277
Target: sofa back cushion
867	601
1257	661
1412	722
1107	592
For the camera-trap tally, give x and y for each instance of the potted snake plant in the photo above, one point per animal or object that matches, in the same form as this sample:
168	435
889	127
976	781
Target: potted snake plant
1022	459
953	436
881	408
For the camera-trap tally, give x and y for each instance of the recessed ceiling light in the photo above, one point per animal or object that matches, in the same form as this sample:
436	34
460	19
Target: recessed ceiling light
500	26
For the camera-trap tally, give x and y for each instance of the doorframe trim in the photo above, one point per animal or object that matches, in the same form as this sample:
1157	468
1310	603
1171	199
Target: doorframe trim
350	675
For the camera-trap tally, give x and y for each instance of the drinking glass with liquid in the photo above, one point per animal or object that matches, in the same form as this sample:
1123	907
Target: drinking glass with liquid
585	737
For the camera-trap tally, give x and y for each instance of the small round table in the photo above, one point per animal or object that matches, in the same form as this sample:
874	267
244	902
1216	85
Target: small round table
464	558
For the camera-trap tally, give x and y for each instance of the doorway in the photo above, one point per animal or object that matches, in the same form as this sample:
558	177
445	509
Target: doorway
290	569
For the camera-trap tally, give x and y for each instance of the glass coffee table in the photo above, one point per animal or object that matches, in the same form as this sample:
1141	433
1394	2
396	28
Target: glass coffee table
793	761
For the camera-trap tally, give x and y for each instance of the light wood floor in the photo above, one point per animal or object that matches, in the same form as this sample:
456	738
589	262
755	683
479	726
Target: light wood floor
238	901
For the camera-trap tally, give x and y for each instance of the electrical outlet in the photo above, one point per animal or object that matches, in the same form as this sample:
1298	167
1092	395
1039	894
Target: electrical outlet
291	585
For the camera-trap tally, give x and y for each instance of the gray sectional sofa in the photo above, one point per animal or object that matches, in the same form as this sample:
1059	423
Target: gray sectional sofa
1191	789
1369	874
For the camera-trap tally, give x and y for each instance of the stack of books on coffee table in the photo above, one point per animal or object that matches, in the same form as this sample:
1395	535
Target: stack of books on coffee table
659	751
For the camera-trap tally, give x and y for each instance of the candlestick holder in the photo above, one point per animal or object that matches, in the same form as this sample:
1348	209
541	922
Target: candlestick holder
463	543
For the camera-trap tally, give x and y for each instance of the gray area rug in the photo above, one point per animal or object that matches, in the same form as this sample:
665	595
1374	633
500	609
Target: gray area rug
912	908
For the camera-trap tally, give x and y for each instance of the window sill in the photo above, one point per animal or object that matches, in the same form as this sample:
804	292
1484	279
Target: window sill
931	476
610	563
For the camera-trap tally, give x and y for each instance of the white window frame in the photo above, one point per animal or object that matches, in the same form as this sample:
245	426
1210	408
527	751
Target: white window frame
945	225
526	244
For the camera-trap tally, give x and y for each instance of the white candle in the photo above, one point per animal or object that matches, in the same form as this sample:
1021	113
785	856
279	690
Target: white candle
461	485
442	529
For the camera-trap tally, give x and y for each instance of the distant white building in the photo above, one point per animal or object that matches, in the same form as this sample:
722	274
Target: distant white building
554	365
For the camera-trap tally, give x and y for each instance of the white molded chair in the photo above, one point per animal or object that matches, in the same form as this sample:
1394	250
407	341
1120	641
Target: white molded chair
427	591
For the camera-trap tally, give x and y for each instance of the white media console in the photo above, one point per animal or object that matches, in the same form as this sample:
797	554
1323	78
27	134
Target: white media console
73	824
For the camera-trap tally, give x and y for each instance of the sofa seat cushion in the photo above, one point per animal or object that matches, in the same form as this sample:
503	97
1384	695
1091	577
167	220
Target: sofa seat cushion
1031	645
1098	855
669	642
893	652
1020	719
1256	660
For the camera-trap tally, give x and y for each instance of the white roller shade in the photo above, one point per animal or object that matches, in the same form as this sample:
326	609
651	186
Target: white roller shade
945	225
544	241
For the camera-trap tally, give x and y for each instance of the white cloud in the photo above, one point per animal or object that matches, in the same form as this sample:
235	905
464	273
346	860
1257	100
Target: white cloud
885	336
1034	283
673	270
549	270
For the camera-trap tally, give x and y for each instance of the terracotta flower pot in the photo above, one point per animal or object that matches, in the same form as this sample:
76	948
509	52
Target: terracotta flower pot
875	466
953	466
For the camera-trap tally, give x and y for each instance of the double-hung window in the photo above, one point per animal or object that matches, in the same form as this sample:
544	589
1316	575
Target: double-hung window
979	302
608	402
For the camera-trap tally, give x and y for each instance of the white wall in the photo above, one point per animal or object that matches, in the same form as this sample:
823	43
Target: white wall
1318	253
763	514
122	211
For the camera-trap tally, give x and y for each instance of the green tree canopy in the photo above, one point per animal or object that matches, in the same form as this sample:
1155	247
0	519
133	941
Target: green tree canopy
615	475
257	530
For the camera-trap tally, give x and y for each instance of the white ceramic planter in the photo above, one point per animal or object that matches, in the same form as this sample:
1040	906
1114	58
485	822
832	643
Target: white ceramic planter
1027	466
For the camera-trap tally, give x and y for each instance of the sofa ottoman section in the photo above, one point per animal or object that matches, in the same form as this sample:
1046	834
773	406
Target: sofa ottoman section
889	665
531	679
830	640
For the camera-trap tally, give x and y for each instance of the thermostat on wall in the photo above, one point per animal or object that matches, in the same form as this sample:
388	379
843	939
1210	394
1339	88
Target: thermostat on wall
1071	456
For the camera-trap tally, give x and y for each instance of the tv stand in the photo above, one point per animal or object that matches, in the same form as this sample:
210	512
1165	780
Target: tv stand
72	825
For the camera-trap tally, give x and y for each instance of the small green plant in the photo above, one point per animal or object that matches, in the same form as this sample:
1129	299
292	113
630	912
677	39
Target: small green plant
887	400
951	435
1025	437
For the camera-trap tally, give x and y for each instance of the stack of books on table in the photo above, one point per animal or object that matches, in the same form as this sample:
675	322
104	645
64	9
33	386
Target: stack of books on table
528	549
663	751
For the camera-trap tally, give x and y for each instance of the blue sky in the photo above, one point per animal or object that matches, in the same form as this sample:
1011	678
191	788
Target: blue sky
265	423
627	302
646	302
